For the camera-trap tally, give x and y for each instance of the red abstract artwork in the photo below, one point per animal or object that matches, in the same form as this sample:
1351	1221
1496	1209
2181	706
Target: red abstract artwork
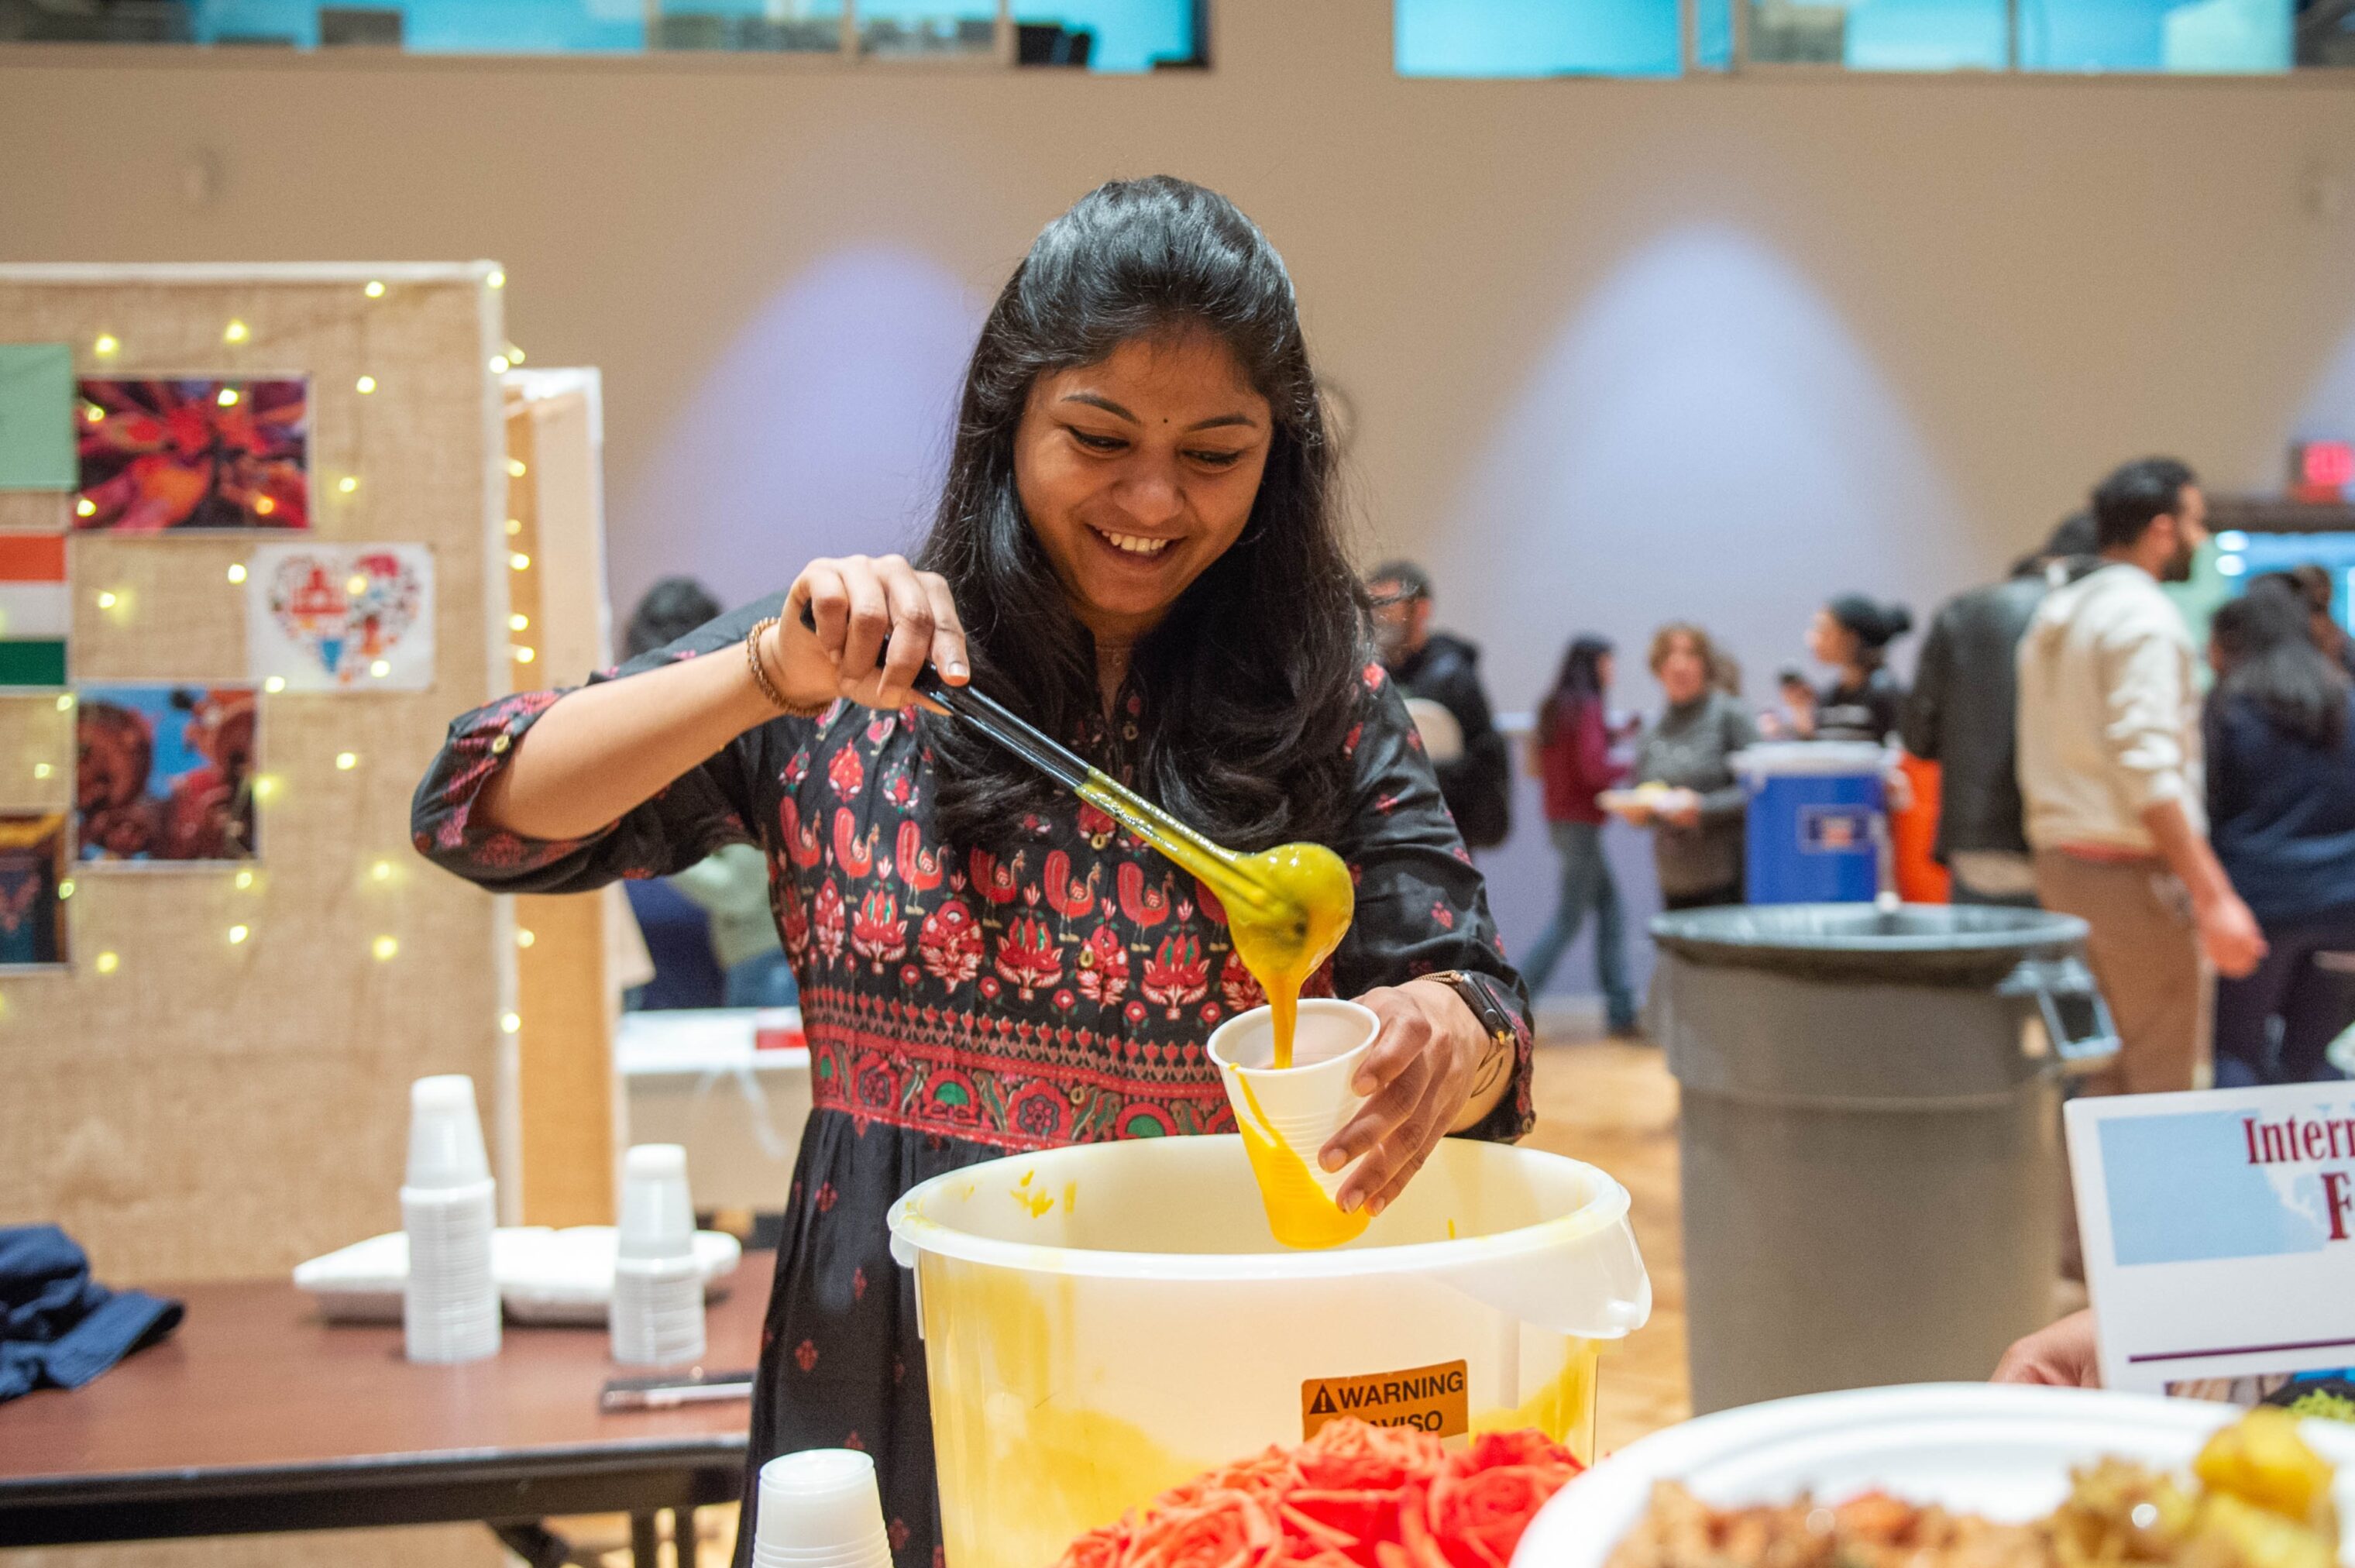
159	456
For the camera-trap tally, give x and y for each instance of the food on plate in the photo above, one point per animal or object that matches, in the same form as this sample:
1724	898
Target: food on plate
2257	1498
2323	1404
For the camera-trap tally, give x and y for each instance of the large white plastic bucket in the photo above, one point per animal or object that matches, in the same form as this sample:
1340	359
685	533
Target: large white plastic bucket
1103	1321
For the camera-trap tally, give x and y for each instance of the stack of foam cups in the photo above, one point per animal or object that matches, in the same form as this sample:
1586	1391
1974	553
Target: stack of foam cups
657	1313
449	1308
820	1510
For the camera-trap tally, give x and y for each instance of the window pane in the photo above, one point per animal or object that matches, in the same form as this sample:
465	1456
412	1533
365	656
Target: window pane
1537	37
803	25
1713	35
2193	36
927	26
430	27
1121	35
1880	35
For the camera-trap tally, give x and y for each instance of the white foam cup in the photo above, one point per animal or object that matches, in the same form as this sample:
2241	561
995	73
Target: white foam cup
657	1216
1301	1106
450	1306
820	1508
445	1134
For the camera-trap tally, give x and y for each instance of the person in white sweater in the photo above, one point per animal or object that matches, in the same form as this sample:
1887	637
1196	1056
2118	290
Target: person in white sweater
2110	774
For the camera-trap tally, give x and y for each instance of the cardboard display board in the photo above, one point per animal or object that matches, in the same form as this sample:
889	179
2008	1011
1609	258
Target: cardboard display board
566	1103
216	1085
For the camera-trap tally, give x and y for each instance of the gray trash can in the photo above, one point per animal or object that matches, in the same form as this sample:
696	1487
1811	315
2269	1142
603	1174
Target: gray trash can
1870	1136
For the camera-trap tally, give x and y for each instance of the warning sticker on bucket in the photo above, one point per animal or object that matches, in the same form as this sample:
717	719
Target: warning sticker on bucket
1429	1399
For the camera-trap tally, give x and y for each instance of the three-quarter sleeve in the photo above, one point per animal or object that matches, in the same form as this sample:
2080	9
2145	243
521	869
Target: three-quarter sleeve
710	805
1422	906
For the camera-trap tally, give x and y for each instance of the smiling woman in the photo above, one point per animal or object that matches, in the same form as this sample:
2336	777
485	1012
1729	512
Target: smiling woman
1134	549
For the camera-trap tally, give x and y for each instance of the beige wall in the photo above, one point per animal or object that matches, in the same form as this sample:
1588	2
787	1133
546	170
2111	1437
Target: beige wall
1618	351
1947	302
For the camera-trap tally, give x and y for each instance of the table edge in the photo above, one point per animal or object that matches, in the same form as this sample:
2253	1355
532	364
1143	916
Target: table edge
375	1471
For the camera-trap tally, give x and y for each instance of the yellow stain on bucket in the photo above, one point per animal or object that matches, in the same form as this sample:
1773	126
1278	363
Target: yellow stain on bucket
999	1350
1563	1408
1039	1203
1299	1212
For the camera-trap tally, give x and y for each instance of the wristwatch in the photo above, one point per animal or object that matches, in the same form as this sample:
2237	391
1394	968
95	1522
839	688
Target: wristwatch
1502	1028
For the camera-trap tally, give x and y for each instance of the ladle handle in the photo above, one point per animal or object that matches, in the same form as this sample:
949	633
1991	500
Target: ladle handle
993	718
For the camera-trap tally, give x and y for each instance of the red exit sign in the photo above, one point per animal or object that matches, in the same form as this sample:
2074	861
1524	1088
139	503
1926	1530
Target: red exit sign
2321	470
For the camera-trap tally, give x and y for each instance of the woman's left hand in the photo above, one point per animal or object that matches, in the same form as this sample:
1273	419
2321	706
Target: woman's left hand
1417	1079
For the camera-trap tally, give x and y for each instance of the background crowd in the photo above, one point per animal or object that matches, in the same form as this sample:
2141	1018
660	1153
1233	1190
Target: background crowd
2204	838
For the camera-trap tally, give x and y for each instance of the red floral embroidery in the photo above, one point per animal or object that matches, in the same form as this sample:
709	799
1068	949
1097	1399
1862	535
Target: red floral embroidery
826	1198
1027	957
805	1356
1236	986
793	922
846	773
877	933
1444	917
1104	967
829	921
1177	975
950	944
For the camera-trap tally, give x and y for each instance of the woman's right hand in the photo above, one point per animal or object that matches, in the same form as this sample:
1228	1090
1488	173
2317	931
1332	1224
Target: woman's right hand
876	620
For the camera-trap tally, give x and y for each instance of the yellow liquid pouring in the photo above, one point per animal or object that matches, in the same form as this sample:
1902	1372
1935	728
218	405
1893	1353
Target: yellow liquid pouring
1287	908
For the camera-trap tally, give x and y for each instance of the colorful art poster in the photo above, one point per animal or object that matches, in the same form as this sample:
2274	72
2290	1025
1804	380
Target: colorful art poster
165	774
193	456
341	617
2219	1232
36	611
33	871
37	404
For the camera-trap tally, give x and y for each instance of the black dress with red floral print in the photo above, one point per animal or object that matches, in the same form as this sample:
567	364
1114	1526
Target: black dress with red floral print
963	1003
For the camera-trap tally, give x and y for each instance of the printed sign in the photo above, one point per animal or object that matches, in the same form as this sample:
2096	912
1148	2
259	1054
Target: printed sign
1429	1399
2219	1233
326	617
1834	829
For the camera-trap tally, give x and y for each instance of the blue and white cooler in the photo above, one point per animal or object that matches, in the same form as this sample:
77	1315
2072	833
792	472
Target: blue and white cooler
1814	806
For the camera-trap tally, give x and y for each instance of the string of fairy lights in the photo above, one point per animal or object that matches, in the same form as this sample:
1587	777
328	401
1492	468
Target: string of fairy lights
118	603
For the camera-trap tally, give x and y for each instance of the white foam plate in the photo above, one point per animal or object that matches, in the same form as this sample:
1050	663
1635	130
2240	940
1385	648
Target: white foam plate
544	1276
2002	1451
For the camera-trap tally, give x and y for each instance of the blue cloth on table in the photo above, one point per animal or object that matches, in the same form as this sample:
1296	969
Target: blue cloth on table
57	1326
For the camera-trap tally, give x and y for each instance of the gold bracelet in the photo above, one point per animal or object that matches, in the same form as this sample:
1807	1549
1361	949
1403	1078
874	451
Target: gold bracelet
767	687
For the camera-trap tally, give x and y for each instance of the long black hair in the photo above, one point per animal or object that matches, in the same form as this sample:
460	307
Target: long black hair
1249	681
2265	642
1576	684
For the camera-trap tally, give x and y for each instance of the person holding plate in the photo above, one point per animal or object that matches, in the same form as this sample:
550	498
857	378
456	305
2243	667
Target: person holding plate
1135	548
1685	788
